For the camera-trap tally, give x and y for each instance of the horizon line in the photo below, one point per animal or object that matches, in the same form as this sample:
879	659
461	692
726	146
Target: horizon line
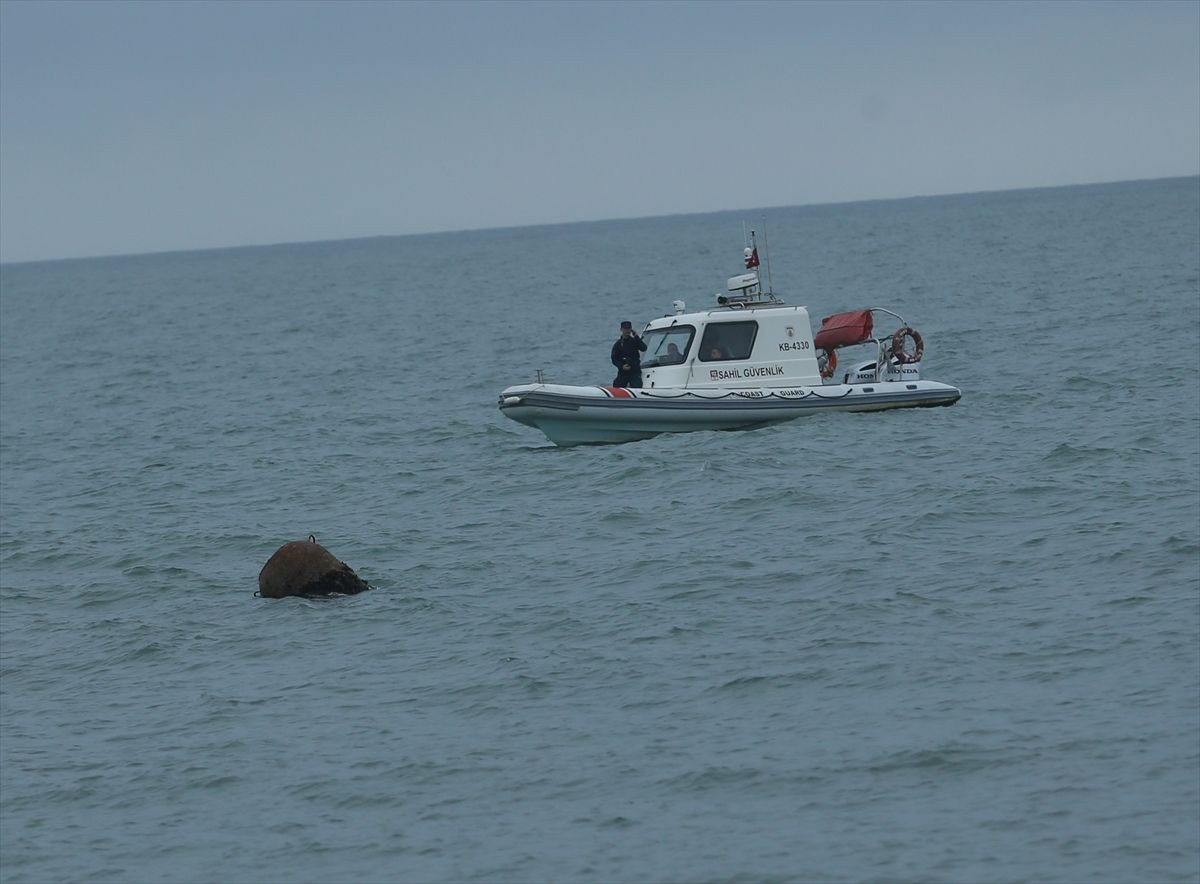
445	231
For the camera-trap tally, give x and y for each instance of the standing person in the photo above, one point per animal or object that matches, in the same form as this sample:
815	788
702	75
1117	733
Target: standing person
627	357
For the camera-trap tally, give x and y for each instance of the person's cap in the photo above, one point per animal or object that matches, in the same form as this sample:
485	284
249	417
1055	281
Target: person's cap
626	324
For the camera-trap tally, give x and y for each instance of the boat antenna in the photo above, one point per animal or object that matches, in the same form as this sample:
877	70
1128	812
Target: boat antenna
767	258
751	256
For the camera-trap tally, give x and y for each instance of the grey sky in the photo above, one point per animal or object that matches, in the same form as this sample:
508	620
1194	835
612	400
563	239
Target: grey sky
134	127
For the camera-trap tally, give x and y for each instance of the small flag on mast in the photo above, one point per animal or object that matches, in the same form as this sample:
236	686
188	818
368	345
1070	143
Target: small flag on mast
752	258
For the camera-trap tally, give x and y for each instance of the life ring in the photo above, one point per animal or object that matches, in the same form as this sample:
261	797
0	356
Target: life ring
898	345
830	364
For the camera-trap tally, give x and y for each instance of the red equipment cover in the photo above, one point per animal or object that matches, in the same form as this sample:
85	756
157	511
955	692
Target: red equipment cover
843	329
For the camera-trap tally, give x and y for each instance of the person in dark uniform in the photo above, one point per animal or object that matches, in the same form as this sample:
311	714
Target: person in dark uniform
627	357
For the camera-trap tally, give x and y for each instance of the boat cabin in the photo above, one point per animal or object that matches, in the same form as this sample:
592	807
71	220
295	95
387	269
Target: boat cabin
750	339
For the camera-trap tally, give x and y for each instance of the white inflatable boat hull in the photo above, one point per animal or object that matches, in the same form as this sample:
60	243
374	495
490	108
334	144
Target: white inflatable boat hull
571	415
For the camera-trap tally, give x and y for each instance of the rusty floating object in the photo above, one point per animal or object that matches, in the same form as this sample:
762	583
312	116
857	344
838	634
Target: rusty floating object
305	568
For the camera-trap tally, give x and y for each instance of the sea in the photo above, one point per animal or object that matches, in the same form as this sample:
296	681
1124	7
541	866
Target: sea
932	645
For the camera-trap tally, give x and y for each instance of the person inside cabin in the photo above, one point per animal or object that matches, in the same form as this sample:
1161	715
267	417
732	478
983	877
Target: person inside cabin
716	353
673	354
627	357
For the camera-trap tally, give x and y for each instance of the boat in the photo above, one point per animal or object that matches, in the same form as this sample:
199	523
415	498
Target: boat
748	361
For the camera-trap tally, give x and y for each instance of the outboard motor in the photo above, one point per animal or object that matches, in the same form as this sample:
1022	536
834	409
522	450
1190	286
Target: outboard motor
892	371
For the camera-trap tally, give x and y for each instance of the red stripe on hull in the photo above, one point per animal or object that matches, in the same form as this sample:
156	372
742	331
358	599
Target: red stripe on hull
618	392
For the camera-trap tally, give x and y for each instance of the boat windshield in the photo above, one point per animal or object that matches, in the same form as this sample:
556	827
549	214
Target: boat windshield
667	346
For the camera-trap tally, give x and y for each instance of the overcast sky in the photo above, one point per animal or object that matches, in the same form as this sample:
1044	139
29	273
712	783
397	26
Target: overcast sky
136	127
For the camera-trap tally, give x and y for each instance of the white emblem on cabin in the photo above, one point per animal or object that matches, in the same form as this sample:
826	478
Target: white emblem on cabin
791	332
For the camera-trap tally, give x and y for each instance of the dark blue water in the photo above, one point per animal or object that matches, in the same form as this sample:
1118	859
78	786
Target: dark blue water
957	644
